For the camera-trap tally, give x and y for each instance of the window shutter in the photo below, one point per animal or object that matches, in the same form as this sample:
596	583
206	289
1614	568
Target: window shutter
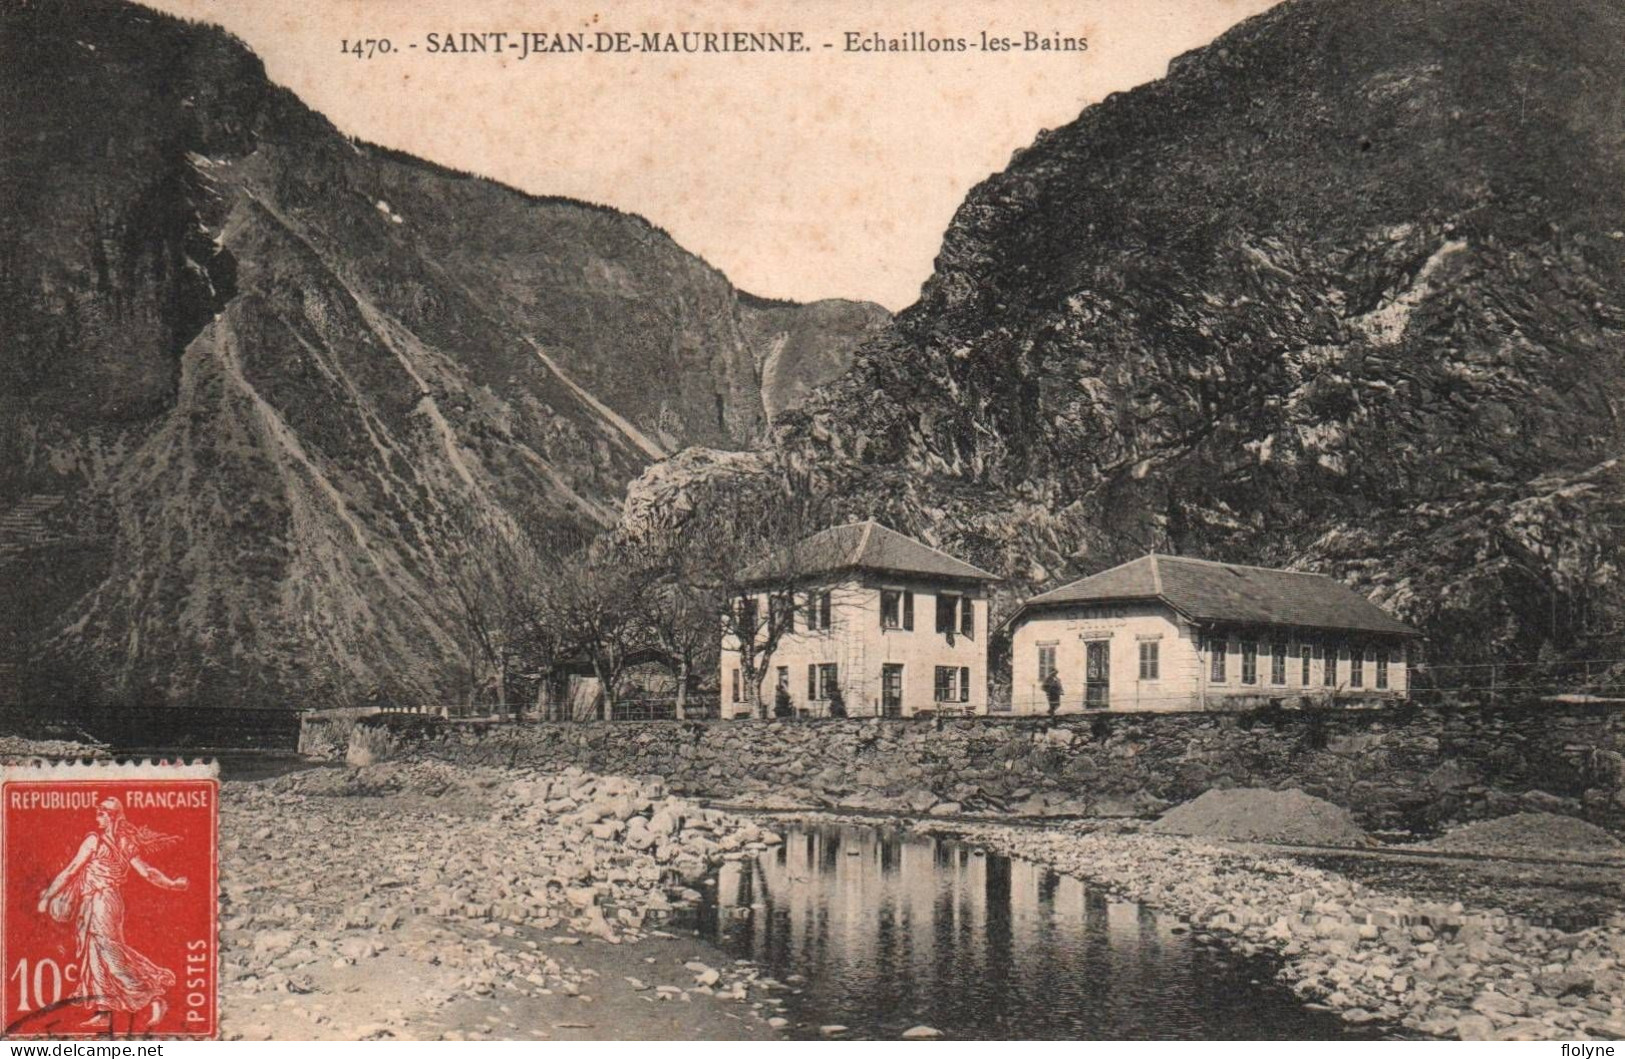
823	610
812	681
967	616
964	681
908	610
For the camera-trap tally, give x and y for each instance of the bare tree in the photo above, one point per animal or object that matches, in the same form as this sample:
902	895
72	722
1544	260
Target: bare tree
472	552
502	579
727	573
754	622
596	611
676	598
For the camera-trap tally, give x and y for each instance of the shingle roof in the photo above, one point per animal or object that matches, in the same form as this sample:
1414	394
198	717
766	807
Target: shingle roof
1211	592
862	546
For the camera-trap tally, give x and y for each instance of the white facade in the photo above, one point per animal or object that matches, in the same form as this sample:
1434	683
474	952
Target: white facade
1152	658
926	667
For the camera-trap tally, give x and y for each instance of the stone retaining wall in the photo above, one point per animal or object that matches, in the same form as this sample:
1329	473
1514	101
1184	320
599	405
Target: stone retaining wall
1415	768
327	733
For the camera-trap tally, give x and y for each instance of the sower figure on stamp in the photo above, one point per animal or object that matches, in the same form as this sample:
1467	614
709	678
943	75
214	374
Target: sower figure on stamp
114	978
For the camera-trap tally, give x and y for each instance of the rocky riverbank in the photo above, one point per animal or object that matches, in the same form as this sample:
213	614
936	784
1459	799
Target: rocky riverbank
423	900
1432	968
16	749
426	902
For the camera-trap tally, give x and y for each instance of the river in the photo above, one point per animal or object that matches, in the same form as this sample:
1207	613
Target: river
881	929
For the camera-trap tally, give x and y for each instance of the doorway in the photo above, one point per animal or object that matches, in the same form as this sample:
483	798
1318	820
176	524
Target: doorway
1097	670
891	690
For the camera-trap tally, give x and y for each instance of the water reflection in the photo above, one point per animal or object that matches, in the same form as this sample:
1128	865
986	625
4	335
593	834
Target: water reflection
892	929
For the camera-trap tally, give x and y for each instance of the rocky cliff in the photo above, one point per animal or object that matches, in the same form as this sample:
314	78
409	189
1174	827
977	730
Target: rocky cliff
1344	291
259	378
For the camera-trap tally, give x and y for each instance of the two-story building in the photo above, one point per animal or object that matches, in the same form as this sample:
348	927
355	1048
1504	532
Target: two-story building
1171	633
897	626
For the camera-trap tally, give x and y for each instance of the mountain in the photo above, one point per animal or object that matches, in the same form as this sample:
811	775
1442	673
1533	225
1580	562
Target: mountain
1344	291
259	379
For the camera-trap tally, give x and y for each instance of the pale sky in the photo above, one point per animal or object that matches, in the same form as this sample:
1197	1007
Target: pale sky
819	174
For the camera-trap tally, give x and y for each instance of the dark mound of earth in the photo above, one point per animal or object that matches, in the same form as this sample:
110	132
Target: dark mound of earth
1531	834
1255	815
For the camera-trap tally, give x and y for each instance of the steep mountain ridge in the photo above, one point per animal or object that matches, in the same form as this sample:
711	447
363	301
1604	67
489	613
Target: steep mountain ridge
1343	291
278	375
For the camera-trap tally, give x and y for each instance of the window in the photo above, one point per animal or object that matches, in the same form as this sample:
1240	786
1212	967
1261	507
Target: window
1382	670
784	677
1220	650
1328	671
896	609
964	683
1277	663
747	617
1306	654
781	611
1150	660
817	611
1249	662
947	613
736	687
947	684
1046	662
821	680
1357	668
967	616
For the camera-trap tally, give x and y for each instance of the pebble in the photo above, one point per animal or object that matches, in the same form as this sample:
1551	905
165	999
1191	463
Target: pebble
532	853
1373	957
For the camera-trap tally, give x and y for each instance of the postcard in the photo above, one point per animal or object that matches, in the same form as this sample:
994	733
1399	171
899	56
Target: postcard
771	521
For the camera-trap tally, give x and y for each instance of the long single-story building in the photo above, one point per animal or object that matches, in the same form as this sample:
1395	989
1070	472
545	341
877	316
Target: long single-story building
1169	633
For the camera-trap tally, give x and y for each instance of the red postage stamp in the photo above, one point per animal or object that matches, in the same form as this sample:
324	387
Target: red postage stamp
110	882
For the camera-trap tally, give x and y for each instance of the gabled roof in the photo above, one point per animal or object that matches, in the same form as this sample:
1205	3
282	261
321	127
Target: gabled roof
861	546
1212	593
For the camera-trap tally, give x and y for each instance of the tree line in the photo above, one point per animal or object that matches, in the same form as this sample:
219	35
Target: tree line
666	592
